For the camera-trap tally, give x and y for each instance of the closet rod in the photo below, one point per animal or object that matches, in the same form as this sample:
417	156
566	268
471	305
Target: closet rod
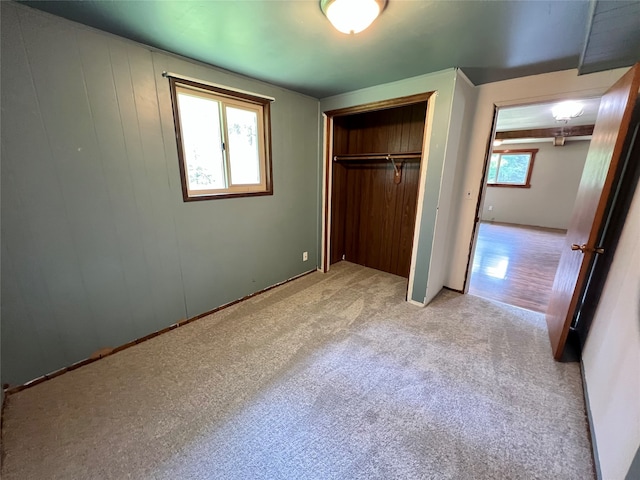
380	156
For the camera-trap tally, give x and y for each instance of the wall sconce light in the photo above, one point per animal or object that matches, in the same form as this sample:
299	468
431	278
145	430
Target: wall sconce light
352	16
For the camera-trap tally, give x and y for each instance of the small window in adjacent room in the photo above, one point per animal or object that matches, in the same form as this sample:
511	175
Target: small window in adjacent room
511	168
224	141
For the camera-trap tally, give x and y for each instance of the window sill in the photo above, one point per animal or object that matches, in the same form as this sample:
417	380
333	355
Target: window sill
217	196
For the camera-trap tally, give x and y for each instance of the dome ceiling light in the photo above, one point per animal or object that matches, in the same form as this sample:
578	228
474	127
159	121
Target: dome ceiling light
565	111
352	16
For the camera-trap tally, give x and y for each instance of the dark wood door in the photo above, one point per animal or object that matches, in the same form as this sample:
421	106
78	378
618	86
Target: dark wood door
600	172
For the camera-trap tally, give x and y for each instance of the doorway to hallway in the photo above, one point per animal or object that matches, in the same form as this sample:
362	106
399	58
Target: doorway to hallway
533	171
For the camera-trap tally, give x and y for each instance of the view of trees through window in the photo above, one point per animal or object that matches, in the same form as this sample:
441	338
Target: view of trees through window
223	141
510	168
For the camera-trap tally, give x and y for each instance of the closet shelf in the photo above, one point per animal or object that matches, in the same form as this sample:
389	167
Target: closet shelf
350	157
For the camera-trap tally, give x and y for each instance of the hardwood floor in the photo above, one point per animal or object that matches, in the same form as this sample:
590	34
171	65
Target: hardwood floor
516	264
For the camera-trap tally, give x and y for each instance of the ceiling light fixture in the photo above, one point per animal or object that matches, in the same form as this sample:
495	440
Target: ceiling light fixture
352	16
565	111
559	141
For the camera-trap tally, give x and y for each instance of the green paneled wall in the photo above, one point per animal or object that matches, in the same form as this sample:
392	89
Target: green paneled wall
98	247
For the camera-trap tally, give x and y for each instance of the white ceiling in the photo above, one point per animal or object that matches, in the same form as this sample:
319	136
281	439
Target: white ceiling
539	116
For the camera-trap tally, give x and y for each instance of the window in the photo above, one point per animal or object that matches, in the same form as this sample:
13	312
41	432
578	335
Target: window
511	168
224	141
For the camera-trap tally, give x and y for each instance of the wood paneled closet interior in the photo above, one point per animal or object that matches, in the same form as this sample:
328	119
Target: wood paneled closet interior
376	171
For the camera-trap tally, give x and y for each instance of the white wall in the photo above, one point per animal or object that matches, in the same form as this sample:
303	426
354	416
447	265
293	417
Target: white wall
525	90
464	103
611	357
554	184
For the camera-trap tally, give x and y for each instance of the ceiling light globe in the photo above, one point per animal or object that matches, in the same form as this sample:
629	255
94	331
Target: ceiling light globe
351	16
567	110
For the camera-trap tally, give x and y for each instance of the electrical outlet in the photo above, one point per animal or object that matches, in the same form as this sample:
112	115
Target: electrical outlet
305	256
490	207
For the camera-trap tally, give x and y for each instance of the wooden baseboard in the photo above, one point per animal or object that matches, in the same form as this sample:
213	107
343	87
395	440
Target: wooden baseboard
105	352
4	404
522	225
590	430
453	289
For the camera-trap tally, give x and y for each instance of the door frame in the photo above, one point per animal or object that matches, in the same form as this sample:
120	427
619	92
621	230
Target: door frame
327	176
487	155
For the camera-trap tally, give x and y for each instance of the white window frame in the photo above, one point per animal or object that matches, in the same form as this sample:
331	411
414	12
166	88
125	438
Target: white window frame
225	98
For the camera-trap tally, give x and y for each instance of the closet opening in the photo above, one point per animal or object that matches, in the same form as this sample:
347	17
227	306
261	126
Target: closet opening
374	155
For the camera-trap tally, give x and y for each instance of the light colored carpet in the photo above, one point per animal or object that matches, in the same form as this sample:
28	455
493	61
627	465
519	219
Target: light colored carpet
332	376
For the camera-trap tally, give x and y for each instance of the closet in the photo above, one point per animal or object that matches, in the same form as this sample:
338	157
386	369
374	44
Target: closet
376	159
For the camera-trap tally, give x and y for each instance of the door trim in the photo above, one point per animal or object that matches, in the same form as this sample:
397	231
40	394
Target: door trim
479	202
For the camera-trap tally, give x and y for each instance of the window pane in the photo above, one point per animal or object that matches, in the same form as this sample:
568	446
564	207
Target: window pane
242	126
223	141
514	168
493	168
201	140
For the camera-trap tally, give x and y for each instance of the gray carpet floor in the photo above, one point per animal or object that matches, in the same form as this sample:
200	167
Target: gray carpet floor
331	376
